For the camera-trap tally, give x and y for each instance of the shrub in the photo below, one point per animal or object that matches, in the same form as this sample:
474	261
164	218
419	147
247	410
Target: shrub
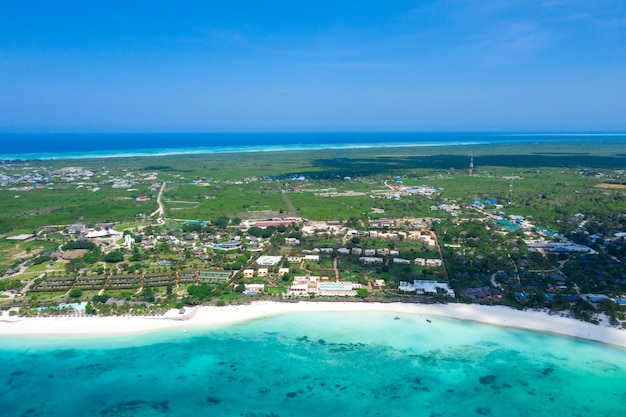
114	257
75	292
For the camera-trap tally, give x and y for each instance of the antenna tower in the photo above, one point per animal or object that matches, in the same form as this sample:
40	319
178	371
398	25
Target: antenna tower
471	168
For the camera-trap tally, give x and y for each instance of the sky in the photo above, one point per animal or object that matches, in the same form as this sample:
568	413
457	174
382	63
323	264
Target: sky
288	66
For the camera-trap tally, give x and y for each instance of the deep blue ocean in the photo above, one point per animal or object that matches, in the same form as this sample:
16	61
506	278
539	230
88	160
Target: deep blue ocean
315	364
84	145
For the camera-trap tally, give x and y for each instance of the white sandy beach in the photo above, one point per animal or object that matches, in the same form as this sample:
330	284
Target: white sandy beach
207	317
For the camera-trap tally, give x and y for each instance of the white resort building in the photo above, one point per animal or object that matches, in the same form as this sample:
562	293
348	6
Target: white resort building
426	287
314	285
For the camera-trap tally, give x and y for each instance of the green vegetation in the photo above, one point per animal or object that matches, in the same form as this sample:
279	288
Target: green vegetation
75	292
9	284
554	191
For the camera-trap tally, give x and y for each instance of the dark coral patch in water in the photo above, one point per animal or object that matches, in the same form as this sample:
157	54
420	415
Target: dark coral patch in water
137	408
292	394
487	379
345	347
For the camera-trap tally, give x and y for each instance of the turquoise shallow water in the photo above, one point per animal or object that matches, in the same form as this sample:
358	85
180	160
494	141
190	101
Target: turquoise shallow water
320	364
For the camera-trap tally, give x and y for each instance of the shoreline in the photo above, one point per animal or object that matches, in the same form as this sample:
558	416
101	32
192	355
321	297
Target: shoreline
161	152
208	317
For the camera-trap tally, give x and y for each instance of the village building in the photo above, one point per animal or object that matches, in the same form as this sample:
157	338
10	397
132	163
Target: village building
248	273
101	232
479	293
433	262
428	241
128	241
252	289
21	238
286	221
254	241
312	228
77	228
267	260
208	277
559	247
298	289
229	245
369	260
426	287
303	286
338	289
380	223
300	279
401	261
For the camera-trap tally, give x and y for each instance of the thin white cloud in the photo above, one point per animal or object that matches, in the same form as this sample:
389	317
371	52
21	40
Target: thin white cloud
353	65
227	36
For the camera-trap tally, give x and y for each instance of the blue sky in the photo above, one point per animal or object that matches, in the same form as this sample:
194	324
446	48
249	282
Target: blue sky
237	66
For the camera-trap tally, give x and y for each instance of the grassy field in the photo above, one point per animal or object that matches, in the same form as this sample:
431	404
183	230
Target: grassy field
545	177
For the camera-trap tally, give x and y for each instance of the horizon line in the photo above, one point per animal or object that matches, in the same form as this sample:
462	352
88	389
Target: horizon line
305	132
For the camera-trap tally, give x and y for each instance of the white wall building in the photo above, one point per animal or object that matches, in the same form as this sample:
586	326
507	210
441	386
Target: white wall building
266	260
426	287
